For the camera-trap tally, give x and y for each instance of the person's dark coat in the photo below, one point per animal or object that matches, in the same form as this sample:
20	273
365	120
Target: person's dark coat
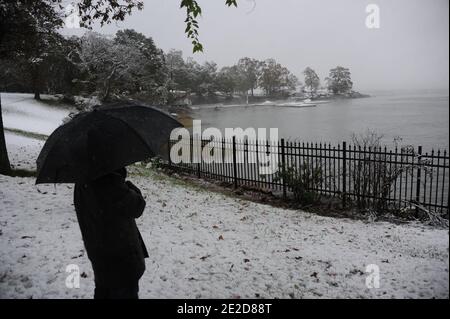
106	209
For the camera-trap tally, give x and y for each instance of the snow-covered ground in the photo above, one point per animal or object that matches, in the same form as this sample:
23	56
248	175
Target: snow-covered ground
21	111
206	244
23	150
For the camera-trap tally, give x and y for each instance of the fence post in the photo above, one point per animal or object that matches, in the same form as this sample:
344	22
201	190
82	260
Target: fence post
199	156
344	173
234	163
283	167
419	176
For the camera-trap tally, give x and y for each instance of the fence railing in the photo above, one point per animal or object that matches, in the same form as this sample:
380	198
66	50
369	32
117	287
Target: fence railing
367	177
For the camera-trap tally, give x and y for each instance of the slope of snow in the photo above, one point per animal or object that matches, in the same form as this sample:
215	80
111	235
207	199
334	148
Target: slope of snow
22	150
21	111
207	245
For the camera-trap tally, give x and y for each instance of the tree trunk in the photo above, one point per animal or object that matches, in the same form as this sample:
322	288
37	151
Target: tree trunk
36	83
105	97
5	167
107	84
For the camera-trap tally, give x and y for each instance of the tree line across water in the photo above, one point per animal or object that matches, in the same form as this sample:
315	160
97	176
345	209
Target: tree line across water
130	64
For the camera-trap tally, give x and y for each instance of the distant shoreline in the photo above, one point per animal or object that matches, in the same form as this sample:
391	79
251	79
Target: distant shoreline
261	100
352	95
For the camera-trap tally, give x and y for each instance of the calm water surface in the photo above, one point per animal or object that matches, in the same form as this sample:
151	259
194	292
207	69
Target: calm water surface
419	118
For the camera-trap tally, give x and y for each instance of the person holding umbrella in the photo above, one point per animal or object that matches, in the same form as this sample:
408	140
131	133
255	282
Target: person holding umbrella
106	210
92	151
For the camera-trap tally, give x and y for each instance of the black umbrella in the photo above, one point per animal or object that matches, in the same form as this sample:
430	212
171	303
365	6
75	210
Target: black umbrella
95	143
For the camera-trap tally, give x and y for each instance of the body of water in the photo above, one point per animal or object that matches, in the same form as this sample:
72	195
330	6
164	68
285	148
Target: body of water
418	117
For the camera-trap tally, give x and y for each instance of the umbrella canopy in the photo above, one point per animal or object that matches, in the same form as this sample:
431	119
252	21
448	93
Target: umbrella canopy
95	143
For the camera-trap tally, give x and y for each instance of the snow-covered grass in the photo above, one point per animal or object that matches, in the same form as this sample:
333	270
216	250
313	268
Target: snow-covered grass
206	244
23	150
22	112
26	121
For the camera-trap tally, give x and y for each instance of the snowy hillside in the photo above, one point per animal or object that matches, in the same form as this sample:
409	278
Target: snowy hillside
21	111
204	244
26	123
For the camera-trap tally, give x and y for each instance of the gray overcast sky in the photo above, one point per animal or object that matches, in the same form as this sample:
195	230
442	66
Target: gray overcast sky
409	50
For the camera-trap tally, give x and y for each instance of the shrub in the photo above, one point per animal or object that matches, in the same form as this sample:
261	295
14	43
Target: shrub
303	181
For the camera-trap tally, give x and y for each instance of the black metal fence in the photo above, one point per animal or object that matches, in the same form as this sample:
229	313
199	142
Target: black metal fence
377	177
